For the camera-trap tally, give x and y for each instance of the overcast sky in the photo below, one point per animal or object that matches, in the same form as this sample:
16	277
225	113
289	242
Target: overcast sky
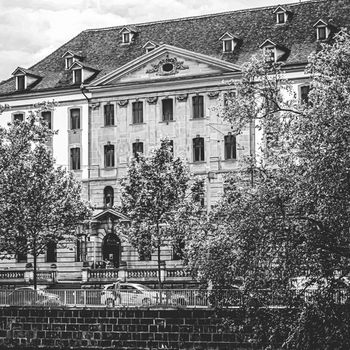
32	29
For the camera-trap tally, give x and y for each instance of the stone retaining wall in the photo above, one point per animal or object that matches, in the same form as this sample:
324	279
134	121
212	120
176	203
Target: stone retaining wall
132	328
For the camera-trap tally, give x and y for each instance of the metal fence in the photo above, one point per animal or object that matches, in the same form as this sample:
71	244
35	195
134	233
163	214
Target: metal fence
193	298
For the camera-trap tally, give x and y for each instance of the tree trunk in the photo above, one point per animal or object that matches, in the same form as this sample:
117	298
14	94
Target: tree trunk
34	266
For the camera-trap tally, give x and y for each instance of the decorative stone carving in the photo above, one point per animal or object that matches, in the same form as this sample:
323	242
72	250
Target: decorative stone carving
122	103
152	100
213	94
167	66
95	105
182	97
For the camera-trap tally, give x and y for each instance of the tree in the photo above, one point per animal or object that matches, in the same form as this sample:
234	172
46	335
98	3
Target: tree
40	203
151	192
293	221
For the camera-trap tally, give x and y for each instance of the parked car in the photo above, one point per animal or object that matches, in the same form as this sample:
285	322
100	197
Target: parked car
29	296
138	294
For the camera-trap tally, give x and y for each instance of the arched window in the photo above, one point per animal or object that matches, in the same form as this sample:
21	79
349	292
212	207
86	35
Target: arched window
108	195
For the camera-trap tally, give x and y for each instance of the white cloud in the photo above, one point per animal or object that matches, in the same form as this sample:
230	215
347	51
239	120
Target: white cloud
30	30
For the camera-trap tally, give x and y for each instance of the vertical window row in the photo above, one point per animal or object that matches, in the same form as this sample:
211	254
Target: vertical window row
109	114
137	112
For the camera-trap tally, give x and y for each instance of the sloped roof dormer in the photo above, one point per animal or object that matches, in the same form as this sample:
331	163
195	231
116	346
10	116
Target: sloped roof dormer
25	78
70	57
128	34
150	45
273	52
323	29
229	42
82	72
282	15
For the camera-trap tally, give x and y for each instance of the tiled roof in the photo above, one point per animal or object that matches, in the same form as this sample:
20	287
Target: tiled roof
103	49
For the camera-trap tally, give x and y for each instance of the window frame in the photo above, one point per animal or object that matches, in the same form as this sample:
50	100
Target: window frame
75	164
304	101
228	42
137	112
198	146
322	29
109	156
135	151
108	192
49	123
51	252
81	79
126	35
109	118
18	113
279	15
198	107
230	148
169	101
21	82
71	124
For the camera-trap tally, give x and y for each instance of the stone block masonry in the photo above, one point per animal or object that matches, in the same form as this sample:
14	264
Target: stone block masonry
29	328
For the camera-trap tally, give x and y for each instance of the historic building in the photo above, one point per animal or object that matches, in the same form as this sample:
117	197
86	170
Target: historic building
121	89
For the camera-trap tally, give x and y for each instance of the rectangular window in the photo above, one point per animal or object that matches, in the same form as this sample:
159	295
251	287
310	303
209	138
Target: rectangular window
167	108
304	94
109	114
77	76
75	158
69	62
47	118
137	147
269	54
51	252
22	247
126	37
109	156
137	112
19	117
280	18
230	147
21	82
198	149
322	33
228	45
75	118
198	110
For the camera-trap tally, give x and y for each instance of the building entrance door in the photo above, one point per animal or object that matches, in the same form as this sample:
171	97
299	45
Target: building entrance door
111	249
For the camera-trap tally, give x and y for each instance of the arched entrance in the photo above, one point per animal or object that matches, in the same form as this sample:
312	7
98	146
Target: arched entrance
111	249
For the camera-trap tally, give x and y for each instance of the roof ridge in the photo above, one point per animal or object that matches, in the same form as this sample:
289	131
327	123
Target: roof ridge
202	16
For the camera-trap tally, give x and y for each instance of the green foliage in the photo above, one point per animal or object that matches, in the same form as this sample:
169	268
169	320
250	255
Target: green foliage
151	193
39	202
293	220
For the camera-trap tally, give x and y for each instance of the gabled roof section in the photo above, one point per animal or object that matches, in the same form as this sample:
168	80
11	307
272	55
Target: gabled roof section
130	29
280	9
20	70
71	53
150	43
228	35
79	64
320	22
111	213
267	42
158	52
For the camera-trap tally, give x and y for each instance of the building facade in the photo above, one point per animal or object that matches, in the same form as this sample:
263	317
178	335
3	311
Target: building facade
121	90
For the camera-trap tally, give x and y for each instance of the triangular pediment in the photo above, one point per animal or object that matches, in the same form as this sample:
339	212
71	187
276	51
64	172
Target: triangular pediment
167	62
110	213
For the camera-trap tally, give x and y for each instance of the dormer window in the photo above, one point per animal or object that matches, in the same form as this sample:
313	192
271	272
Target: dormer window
20	82
322	30
281	15
229	42
70	57
127	34
77	76
81	72
25	78
150	46
272	52
126	38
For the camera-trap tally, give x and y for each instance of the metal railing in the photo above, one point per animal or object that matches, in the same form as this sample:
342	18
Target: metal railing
192	298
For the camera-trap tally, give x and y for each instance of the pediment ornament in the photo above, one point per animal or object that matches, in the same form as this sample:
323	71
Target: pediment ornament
167	66
182	97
